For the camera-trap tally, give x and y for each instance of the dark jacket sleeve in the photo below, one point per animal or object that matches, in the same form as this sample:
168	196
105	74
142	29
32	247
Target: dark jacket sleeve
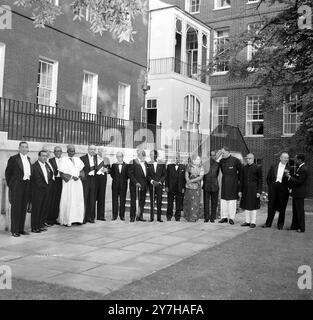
269	176
167	177
260	180
163	176
301	179
9	171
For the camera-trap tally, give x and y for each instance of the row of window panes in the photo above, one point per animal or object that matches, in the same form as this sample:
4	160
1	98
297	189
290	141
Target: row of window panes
254	115
47	86
193	6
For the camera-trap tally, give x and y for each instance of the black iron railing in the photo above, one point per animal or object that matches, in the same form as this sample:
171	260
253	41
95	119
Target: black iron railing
168	65
32	122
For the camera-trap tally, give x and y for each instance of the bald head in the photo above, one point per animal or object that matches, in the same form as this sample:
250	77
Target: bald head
92	149
250	158
119	156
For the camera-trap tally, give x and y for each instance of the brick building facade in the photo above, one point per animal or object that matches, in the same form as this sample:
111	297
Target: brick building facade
68	64
238	103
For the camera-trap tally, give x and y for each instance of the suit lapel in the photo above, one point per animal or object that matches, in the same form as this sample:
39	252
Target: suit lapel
40	171
19	162
139	164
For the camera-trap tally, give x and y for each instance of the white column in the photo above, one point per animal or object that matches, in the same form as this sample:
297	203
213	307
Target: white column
199	52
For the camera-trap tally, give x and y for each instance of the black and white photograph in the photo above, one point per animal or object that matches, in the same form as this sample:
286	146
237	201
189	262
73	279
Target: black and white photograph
156	152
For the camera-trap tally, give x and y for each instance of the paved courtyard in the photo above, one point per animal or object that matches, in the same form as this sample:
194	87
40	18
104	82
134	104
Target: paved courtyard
105	256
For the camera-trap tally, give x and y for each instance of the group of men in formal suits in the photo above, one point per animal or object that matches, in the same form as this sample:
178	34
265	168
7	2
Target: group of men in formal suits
42	184
281	179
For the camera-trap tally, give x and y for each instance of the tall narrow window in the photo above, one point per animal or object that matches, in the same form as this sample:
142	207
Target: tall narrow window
2	63
291	115
89	93
220	111
192	52
47	83
254	116
178	45
123	101
191	113
221	38
253	29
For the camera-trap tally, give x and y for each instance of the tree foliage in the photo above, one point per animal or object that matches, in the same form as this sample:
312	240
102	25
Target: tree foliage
282	63
115	16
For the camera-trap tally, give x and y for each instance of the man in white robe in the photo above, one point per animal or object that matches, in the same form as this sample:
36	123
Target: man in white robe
72	197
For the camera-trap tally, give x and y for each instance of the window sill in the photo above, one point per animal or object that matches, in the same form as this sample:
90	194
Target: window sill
287	135
219	73
222	8
253	2
196	12
254	136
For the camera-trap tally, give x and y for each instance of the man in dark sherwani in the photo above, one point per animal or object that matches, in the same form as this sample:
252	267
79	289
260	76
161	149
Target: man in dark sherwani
278	191
231	169
175	186
156	177
250	190
298	192
210	187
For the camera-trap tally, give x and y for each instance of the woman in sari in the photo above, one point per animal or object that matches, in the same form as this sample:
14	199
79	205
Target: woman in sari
194	175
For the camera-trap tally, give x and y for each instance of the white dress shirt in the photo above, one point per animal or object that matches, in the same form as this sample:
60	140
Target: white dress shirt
26	167
176	167
155	166
280	172
92	164
120	165
44	170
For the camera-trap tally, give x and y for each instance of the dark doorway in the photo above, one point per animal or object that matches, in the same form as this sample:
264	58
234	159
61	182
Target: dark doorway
152	116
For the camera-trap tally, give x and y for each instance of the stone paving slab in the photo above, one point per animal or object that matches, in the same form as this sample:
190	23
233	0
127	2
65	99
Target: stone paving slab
107	255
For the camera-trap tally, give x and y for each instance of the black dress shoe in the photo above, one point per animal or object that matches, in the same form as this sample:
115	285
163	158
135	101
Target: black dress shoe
122	219
35	230
132	220
224	220
151	220
279	227
47	224
231	221
140	219
300	231
15	234
206	221
43	229
265	226
169	219
24	233
100	219
246	224
177	219
212	220
160	220
252	225
113	219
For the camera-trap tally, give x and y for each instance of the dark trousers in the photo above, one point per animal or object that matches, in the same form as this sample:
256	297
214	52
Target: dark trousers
118	201
40	206
155	197
277	201
56	191
207	197
19	198
142	201
298	216
178	196
89	187
101	184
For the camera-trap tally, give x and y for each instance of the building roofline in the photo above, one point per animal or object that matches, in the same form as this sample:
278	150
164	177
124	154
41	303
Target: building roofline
185	12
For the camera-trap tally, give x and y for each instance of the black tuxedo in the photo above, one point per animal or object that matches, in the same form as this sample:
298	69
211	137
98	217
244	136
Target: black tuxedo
19	192
101	185
136	175
210	190
56	191
278	195
175	182
89	187
119	189
40	195
159	176
299	189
